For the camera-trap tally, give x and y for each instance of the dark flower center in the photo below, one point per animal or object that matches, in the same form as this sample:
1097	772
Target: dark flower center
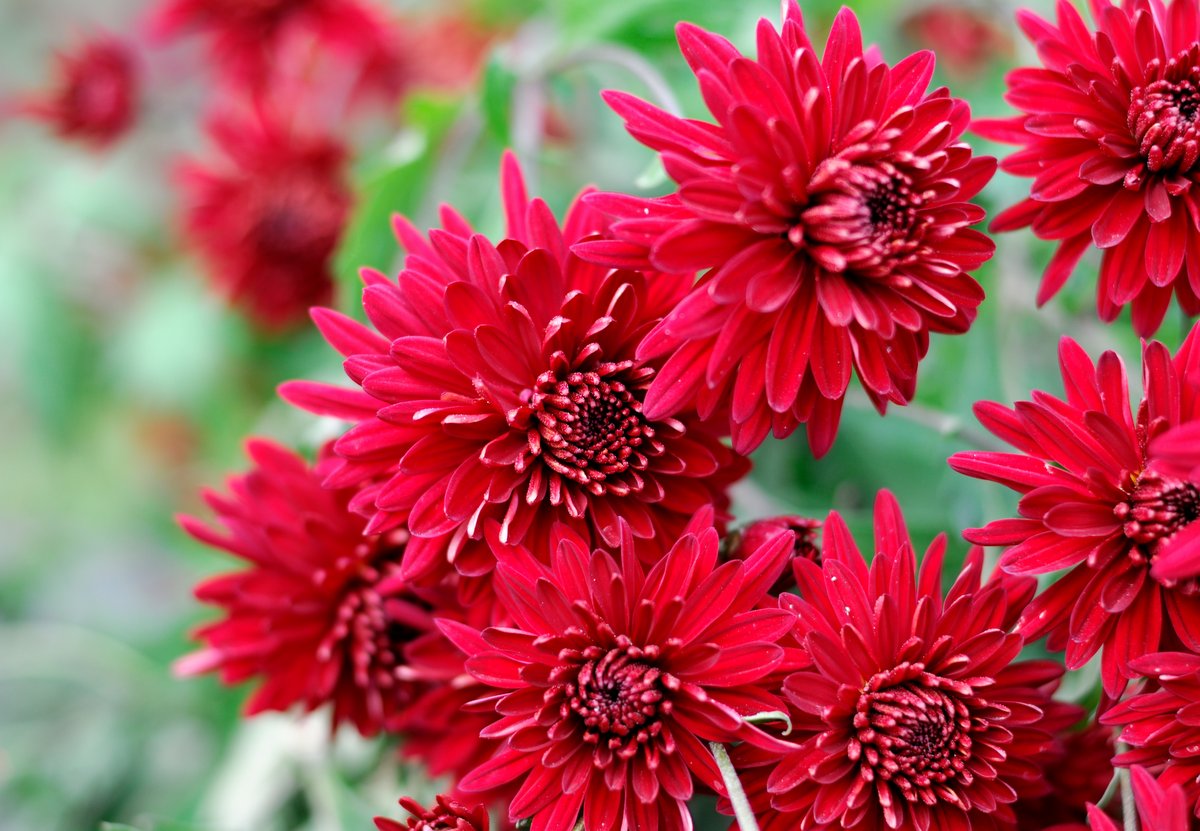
98	92
620	696
299	218
913	729
1162	116
1156	510
863	219
589	427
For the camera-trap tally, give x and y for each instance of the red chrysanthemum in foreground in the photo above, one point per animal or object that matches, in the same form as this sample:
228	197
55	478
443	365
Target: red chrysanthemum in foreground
1159	808
1176	455
1164	725
1092	501
446	815
611	680
254	40
1109	132
268	213
95	96
500	384
915	713
827	208
319	614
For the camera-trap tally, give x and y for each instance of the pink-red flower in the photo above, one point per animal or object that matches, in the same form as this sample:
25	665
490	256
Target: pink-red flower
827	209
915	713
500	385
318	614
1108	131
1159	807
611	680
94	97
1093	502
446	815
267	213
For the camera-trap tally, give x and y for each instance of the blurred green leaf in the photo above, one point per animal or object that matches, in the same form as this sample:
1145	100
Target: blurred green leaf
496	95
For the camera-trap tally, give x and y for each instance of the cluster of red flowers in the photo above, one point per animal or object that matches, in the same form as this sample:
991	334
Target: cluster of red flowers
517	555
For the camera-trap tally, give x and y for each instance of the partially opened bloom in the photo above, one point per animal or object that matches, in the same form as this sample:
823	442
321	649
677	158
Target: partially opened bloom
915	712
1092	501
611	680
1109	133
266	213
446	815
318	614
827	209
94	97
1163	725
500	384
1159	807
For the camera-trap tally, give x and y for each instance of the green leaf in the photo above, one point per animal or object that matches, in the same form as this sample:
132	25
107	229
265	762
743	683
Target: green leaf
496	95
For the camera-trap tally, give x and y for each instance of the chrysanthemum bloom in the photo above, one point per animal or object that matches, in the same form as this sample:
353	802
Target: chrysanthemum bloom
805	547
1159	807
1164	725
1077	768
500	384
827	208
319	614
1109	132
1092	501
915	712
267	214
94	98
611	680
967	38
1177	456
251	40
447	815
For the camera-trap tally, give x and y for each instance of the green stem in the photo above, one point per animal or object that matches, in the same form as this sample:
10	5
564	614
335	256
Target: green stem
737	796
1128	805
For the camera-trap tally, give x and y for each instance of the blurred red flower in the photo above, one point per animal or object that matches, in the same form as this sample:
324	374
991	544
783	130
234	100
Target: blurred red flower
1159	807
446	815
1108	132
611	679
827	208
1093	501
500	385
267	214
965	39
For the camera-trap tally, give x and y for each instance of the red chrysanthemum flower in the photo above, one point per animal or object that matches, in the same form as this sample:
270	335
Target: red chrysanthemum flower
805	547
268	214
320	614
95	96
914	713
1159	808
253	40
1077	769
1164	725
447	815
1176	455
501	385
1109	132
611	680
827	207
1092	501
966	38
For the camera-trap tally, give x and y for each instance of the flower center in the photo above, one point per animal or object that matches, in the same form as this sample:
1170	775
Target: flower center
589	427
1162	116
913	730
1156	510
621	697
298	218
863	219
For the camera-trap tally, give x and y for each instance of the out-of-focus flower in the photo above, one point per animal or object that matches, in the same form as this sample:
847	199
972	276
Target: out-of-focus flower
1164	725
500	385
319	614
827	208
964	38
805	547
252	41
1093	501
94	98
1077	767
1109	133
915	712
443	50
611	680
267	214
1159	807
446	815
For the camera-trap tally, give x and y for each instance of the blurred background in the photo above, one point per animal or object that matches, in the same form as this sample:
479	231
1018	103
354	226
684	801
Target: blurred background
130	373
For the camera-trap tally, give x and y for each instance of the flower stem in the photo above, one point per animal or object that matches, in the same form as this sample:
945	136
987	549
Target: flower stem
1128	805
737	796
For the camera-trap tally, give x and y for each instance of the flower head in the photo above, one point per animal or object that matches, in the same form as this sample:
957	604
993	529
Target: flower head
95	97
915	712
611	680
806	545
827	208
267	215
446	815
1093	501
500	385
1109	133
319	614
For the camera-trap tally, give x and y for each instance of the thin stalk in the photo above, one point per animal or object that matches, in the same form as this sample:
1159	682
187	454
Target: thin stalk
1128	805
741	805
